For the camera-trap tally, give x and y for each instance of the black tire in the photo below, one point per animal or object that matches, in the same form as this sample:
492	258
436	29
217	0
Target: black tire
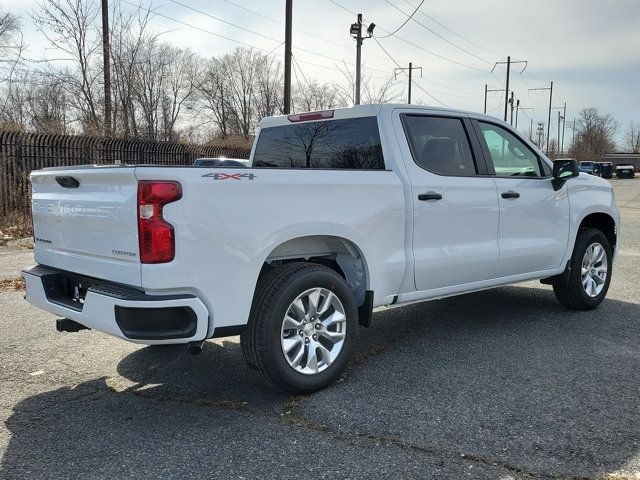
568	288
260	341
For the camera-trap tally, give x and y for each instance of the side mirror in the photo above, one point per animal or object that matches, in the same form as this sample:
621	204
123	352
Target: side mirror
563	170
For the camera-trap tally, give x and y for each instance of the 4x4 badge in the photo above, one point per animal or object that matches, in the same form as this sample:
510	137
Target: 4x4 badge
230	176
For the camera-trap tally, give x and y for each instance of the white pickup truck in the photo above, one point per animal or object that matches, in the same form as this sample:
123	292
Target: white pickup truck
338	212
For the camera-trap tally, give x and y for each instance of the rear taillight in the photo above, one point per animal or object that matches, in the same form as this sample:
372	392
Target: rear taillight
155	235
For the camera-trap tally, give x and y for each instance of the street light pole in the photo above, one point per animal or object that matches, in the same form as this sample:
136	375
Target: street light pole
356	32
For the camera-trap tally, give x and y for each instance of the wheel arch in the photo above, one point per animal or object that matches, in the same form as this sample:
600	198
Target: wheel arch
605	223
339	253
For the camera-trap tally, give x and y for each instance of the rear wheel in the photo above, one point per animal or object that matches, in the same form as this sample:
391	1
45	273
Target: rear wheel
302	328
588	280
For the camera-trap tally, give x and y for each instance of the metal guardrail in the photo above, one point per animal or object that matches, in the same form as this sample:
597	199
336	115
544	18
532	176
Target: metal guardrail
20	153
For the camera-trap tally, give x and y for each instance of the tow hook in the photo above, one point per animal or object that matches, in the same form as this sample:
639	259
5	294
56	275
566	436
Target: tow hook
67	325
195	348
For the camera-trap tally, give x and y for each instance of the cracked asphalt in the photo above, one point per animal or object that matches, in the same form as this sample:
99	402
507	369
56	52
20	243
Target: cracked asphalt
503	384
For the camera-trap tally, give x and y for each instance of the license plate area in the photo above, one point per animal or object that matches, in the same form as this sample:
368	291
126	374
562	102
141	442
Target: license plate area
70	290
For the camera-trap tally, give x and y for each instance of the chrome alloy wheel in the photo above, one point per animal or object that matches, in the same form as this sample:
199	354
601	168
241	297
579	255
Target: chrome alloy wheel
594	269
313	331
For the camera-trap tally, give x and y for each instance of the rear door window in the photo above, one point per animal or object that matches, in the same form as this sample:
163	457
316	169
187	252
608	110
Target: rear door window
440	145
351	143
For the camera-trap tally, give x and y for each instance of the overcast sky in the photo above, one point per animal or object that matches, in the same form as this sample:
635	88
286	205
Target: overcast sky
589	48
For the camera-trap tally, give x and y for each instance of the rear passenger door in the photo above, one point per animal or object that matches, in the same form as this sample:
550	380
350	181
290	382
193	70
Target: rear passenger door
455	204
534	218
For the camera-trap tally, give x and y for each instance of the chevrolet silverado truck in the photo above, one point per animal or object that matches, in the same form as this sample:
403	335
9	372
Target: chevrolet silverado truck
338	212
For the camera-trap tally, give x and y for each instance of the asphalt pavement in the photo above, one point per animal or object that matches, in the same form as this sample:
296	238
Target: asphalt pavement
502	384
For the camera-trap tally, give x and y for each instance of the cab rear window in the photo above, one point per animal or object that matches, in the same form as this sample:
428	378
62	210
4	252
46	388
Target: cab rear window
352	143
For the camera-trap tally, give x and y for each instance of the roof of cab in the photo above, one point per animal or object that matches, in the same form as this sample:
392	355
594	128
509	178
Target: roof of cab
367	111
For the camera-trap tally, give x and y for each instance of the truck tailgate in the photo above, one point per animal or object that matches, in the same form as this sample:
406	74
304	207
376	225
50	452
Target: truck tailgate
85	221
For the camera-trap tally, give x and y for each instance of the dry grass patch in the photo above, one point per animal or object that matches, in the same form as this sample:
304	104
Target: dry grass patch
14	284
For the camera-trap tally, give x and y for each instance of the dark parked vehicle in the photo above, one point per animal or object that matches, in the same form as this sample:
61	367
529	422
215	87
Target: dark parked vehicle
603	169
220	162
625	171
587	167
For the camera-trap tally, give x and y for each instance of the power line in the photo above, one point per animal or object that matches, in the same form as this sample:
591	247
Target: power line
224	21
488	50
252	31
398	65
155	12
405	22
274	20
248	45
343	8
442	57
437	34
295	62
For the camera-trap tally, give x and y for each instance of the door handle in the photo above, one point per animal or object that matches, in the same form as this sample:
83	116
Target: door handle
510	194
429	196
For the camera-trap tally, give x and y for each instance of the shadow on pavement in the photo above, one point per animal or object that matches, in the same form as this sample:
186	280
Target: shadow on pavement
505	377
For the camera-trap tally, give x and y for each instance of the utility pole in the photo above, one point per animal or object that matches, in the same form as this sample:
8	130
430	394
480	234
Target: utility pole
506	88
540	133
356	32
531	130
558	141
564	122
561	132
485	98
487	89
512	107
287	56
106	66
549	120
411	68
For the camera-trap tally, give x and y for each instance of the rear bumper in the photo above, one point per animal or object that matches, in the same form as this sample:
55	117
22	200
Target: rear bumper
118	310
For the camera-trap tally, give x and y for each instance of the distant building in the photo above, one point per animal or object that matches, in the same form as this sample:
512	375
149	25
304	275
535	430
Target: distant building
623	159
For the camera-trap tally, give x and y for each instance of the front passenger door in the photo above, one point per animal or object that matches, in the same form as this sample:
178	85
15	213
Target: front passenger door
534	218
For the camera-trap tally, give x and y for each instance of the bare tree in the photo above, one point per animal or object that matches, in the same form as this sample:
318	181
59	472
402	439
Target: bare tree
242	68
384	91
11	49
269	98
214	95
151	76
183	76
632	138
315	96
595	133
70	27
129	34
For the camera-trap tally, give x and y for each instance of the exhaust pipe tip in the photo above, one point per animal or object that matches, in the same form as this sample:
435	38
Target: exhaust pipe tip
67	325
195	348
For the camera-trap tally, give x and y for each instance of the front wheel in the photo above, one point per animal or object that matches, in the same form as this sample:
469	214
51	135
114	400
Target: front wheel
587	282
302	328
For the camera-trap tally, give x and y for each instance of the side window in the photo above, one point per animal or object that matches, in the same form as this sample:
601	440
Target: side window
440	145
352	143
510	156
